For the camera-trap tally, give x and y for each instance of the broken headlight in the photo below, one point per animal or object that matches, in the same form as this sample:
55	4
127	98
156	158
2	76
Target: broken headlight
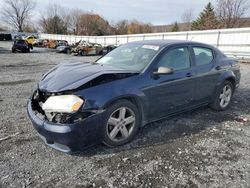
62	104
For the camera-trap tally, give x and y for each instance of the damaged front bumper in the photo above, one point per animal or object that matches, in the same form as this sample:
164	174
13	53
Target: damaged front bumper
68	137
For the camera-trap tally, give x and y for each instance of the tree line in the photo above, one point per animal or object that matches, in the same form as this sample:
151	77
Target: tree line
59	20
225	14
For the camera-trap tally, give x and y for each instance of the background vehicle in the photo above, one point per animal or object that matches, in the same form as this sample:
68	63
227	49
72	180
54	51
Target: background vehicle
38	43
86	48
64	49
62	43
30	39
78	104
108	49
20	46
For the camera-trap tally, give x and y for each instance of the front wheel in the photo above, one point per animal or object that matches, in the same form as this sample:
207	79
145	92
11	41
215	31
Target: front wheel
121	124
83	53
68	51
223	96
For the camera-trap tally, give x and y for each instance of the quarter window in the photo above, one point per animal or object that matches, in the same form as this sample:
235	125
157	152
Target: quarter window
177	58
203	56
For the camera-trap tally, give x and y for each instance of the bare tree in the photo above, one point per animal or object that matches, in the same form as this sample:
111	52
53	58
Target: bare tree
230	12
17	12
121	27
55	20
187	18
73	20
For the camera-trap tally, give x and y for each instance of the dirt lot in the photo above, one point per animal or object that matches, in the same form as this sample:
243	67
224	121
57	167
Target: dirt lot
202	148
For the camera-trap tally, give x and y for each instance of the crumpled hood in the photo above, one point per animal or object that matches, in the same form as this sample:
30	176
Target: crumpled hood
69	76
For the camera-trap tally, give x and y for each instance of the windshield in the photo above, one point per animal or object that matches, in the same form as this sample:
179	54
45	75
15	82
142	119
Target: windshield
134	57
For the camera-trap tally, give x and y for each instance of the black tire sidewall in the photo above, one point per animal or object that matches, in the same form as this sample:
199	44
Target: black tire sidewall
113	107
83	53
216	104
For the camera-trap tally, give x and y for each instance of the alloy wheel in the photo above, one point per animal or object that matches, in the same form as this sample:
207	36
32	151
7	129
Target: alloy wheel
225	96
120	124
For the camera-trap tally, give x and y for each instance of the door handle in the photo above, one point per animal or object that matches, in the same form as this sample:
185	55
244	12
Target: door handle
218	68
189	74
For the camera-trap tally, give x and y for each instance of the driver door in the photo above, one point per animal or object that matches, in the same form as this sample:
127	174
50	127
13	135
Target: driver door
173	92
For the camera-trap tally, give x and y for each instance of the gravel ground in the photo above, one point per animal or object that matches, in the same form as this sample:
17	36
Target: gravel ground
202	148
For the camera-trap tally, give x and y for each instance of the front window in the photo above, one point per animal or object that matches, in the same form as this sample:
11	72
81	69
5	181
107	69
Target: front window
134	57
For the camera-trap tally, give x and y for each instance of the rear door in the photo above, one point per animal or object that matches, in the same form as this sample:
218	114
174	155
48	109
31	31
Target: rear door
206	73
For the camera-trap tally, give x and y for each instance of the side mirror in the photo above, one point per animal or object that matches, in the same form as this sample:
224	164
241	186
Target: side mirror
163	71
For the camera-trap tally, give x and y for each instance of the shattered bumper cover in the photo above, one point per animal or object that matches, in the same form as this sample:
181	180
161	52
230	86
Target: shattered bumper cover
68	137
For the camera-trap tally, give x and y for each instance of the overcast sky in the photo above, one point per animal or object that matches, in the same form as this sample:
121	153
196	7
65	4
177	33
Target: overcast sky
153	11
157	12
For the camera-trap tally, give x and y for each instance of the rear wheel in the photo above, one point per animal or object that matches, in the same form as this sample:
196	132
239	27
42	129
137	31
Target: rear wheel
121	124
223	96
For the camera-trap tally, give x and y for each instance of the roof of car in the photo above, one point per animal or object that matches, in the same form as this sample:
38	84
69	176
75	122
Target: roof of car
163	43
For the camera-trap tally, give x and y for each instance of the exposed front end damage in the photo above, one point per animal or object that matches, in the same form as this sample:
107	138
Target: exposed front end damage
106	78
66	132
74	76
63	131
39	98
74	130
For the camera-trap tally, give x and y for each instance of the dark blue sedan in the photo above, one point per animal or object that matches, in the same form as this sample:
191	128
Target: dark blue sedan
107	101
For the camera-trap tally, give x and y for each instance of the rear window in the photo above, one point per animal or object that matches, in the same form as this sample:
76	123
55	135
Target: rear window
203	56
177	59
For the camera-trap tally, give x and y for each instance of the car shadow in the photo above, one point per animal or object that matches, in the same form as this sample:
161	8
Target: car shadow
186	124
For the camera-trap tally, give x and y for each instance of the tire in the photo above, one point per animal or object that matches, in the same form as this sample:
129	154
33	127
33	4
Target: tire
100	53
223	93
68	51
83	53
116	131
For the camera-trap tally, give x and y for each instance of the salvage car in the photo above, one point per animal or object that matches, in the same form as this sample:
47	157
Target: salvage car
30	39
62	43
67	49
80	104
64	49
108	49
40	43
20	45
86	48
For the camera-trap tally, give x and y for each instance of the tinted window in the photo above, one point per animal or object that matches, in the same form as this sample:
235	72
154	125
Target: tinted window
177	59
203	56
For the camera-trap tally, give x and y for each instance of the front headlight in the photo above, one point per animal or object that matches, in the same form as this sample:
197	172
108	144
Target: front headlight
62	104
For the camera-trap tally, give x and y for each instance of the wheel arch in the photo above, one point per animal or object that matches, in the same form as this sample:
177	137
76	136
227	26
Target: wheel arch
232	80
133	99
228	76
